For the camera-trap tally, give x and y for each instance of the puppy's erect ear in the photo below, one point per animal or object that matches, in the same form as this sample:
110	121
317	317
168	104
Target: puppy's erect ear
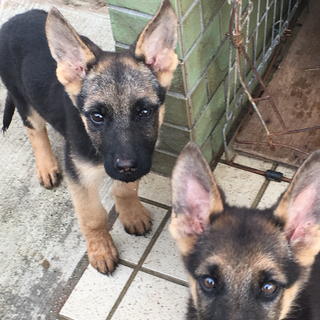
157	42
195	196
73	57
300	211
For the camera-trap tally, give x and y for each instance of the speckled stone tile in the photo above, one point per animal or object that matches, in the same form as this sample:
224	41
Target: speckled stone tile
155	187
151	298
131	247
239	186
275	189
287	171
95	294
253	162
165	257
272	194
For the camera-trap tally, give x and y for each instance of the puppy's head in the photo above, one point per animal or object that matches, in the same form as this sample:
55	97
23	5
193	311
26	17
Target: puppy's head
120	96
244	263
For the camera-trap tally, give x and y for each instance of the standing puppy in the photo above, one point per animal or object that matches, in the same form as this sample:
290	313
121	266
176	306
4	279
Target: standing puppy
247	264
108	106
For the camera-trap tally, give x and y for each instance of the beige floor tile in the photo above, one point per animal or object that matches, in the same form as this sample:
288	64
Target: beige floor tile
95	294
250	162
150	298
155	187
288	172
131	247
253	162
239	186
165	257
272	194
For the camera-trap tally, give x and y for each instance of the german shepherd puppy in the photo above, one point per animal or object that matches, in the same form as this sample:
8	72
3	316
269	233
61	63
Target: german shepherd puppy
108	106
247	264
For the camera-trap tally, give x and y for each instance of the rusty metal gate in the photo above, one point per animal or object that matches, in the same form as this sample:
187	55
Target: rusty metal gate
256	30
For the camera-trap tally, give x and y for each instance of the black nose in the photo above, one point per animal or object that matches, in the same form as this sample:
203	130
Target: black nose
126	165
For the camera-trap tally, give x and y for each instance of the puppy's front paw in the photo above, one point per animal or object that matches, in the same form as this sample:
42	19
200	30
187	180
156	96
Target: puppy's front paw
102	253
49	177
136	220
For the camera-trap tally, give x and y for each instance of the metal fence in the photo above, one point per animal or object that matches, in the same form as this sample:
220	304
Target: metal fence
256	29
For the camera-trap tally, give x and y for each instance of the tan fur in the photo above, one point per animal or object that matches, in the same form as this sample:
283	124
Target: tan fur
185	244
72	87
165	77
306	256
89	174
283	206
216	201
103	65
161	116
93	221
84	120
289	297
46	162
193	289
132	214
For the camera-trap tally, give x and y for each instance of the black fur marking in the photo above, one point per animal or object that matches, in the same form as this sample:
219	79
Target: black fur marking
69	165
161	93
27	123
8	112
279	223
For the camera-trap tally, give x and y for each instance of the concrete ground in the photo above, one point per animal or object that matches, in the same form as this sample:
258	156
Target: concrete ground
44	273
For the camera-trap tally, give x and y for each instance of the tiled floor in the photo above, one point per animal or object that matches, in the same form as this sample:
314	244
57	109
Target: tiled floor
151	282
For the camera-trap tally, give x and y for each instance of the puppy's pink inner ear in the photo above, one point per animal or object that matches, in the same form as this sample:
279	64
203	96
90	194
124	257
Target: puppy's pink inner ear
157	53
301	220
198	203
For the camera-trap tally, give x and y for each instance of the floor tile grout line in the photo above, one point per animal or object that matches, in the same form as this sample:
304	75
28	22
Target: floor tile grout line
64	318
155	273
139	265
223	161
155	203
165	277
262	190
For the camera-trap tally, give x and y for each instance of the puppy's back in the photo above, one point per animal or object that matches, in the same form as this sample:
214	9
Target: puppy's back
22	35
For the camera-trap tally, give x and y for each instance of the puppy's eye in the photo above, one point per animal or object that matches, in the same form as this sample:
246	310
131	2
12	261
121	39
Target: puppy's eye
269	288
208	283
96	117
144	113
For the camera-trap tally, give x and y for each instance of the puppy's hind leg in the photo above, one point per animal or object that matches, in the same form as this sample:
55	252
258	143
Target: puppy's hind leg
47	166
